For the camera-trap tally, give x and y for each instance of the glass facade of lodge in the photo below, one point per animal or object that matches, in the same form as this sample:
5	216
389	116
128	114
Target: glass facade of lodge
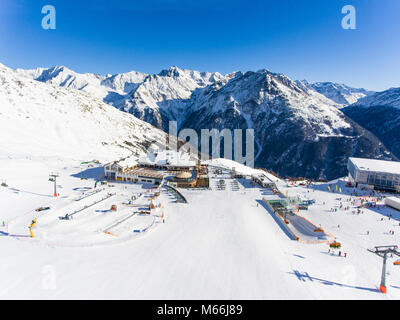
383	180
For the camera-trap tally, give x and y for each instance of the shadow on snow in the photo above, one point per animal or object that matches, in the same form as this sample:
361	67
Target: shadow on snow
306	277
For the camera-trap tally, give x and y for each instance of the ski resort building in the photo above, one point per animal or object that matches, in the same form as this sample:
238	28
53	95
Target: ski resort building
262	180
132	174
185	179
111	170
175	167
181	170
374	174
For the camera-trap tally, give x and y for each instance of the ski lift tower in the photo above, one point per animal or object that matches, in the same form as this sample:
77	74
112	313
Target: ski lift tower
53	178
383	251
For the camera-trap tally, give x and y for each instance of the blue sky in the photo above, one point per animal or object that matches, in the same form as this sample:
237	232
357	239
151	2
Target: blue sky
300	38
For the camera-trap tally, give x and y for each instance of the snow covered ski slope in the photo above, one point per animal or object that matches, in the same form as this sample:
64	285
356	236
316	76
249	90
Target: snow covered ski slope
222	244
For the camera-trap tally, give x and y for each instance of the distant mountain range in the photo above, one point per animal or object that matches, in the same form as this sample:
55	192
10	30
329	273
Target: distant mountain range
47	120
380	114
301	129
338	93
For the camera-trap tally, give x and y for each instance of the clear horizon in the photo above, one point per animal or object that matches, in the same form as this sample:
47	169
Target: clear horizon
303	40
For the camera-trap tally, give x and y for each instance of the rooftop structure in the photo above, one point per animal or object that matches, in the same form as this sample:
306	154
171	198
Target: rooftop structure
393	202
375	174
168	160
382	166
184	175
144	173
185	179
263	180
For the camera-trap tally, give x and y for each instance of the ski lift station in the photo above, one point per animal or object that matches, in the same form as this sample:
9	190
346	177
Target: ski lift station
374	174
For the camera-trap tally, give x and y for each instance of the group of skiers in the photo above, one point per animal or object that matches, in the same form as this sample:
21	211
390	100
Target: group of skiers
339	253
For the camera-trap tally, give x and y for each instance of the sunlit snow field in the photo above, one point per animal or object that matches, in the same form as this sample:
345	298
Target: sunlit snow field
222	244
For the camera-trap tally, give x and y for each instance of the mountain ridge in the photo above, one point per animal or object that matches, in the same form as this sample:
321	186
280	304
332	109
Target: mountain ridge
380	113
298	130
50	120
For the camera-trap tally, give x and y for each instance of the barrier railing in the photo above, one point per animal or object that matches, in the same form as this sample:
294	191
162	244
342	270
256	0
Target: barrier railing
176	192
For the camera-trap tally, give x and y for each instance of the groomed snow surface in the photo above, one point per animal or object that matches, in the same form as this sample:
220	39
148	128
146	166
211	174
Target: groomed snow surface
222	244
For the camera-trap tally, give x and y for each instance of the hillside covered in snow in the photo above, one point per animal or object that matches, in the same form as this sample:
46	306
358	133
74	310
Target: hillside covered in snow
46	119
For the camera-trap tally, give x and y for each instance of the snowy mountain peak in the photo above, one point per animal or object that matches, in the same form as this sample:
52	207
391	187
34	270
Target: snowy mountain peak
390	97
339	93
60	72
124	82
171	72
